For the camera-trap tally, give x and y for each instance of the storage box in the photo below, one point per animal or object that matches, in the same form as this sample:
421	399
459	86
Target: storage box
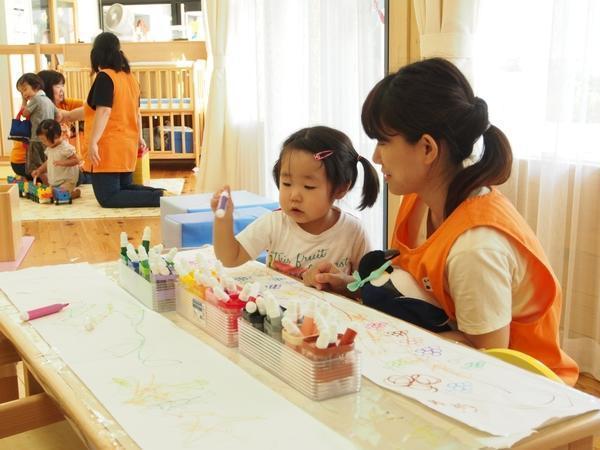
220	324
317	374
10	222
176	136
183	204
196	229
157	294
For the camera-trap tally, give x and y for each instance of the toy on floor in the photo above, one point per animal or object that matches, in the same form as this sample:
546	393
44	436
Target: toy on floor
10	179
41	193
395	292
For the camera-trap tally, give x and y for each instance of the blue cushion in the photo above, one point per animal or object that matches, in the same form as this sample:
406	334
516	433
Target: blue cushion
195	229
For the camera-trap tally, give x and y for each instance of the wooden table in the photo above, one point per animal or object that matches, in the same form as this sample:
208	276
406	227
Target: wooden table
367	418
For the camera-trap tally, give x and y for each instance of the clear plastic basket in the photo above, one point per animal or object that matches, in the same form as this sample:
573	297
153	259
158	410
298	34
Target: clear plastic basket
318	377
222	325
157	294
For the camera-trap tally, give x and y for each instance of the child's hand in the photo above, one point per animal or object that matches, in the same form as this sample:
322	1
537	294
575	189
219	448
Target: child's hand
59	164
228	206
325	276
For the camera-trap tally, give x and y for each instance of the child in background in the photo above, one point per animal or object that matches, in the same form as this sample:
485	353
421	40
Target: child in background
62	164
316	166
37	107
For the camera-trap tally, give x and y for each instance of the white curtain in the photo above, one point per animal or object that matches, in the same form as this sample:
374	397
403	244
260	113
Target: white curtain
541	79
286	65
446	30
232	142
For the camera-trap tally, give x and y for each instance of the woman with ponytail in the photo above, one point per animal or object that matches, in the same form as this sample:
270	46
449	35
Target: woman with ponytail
113	128
459	238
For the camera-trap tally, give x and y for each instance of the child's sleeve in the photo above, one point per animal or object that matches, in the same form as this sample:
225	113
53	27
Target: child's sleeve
67	151
255	238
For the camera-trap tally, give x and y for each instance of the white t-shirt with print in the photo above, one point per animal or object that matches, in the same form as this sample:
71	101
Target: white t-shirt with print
57	175
292	250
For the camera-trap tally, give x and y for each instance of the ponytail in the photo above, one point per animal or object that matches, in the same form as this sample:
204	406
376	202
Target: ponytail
493	168
370	189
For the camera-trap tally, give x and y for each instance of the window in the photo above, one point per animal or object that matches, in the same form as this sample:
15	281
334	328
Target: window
536	64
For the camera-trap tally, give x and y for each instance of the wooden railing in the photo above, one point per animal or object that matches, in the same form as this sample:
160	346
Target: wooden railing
18	59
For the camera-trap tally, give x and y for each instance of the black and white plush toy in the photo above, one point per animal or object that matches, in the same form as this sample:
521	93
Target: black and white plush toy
395	292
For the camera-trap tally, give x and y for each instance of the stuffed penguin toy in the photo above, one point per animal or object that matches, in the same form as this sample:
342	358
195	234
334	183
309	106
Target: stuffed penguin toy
395	292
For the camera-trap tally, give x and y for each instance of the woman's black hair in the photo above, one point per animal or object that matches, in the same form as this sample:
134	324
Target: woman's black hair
49	128
433	97
340	166
51	78
32	80
106	54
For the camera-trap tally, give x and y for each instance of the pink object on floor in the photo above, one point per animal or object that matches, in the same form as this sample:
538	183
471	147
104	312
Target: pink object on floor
26	243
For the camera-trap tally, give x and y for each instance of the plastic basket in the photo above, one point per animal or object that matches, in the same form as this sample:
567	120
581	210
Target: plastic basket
317	376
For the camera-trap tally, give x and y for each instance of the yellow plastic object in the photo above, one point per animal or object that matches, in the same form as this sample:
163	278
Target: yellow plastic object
523	361
141	175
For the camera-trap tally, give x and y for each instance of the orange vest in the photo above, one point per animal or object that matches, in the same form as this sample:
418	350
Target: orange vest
536	334
18	154
118	144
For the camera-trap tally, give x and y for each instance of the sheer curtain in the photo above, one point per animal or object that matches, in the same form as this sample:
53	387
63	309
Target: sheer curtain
537	64
446	30
289	64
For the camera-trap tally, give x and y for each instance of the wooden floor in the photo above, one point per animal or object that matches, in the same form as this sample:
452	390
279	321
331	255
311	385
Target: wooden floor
91	240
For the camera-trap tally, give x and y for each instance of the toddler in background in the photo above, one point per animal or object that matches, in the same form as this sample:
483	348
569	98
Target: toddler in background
62	164
36	107
316	167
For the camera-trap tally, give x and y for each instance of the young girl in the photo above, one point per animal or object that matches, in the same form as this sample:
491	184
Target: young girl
460	238
37	107
62	164
316	166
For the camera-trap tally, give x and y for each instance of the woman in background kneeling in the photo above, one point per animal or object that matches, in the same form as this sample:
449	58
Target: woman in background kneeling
113	128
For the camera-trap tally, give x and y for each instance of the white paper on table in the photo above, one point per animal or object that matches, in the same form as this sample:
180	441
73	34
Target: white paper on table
166	388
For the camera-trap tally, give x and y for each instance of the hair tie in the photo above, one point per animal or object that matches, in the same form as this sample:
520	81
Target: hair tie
358	158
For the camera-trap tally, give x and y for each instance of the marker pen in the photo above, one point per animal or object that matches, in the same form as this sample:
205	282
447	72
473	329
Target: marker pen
222	204
348	337
43	311
170	256
245	292
308	323
260	303
144	264
123	238
272	321
251	315
133	257
146	238
323	340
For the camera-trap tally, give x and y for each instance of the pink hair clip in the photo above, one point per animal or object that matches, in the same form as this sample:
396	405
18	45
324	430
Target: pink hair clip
324	154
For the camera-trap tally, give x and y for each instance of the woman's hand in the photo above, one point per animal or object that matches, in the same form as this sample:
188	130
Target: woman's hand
93	154
141	143
325	276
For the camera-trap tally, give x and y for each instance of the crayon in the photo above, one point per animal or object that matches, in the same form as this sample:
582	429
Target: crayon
43	311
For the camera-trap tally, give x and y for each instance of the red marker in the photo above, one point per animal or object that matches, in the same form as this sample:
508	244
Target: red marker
43	311
348	337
